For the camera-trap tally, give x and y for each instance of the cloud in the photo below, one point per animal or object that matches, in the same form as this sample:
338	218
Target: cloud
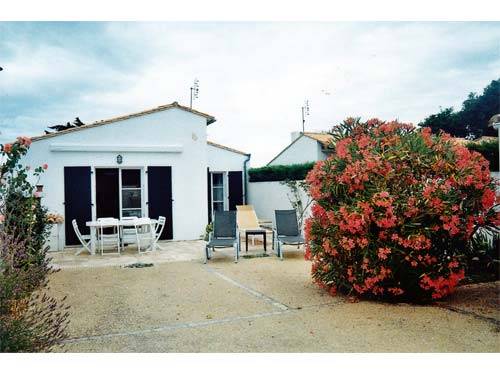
254	77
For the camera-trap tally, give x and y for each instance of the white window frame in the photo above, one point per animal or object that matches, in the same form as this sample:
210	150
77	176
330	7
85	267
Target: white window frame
225	202
143	188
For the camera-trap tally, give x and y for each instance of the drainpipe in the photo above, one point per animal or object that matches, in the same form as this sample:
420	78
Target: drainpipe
245	176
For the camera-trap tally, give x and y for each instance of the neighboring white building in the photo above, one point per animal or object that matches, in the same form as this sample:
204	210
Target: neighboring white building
268	196
305	147
152	163
227	178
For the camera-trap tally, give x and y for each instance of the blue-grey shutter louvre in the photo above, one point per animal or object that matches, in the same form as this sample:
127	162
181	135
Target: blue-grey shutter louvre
209	195
160	197
235	181
77	201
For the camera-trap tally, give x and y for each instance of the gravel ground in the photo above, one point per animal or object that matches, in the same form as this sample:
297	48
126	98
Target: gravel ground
259	305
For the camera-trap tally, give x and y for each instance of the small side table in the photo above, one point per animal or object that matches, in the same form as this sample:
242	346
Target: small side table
254	232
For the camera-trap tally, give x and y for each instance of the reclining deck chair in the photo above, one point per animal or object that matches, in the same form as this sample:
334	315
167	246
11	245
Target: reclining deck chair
248	222
286	231
224	234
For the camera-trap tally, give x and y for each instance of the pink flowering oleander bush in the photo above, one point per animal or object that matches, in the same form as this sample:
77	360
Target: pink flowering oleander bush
395	208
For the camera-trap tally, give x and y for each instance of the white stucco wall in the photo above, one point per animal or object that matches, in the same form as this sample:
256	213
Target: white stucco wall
221	160
183	131
266	197
303	150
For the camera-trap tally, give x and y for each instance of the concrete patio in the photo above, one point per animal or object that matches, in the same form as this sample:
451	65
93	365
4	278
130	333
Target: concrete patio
257	305
168	251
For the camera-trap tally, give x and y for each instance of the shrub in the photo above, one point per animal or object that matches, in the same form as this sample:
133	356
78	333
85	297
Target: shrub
489	149
395	208
280	172
30	320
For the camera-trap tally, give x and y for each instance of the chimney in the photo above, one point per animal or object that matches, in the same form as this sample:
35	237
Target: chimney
295	135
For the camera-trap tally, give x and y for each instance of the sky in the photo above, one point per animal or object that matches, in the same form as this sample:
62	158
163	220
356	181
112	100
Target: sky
253	77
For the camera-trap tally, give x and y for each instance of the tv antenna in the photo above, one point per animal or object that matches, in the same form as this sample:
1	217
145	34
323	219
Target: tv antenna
305	112
195	90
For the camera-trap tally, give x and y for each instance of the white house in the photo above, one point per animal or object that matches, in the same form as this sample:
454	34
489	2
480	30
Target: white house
268	196
153	163
305	147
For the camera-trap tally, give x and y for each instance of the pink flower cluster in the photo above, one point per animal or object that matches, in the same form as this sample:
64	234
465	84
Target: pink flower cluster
392	203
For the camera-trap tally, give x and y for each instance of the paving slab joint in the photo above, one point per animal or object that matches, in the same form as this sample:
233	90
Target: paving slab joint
249	290
494	321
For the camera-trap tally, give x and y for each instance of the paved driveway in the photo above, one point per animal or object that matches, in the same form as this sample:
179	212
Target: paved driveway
257	305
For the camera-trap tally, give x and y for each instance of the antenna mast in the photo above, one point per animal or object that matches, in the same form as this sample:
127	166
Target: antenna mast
305	112
195	89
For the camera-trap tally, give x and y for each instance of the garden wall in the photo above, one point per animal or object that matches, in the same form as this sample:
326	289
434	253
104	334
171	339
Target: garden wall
272	195
269	196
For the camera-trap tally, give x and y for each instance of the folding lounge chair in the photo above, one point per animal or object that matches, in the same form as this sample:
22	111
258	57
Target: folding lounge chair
249	224
225	234
286	231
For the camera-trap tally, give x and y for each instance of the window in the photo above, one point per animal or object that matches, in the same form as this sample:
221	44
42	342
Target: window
131	192
217	192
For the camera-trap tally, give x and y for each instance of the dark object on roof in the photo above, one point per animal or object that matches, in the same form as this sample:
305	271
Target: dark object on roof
210	119
76	124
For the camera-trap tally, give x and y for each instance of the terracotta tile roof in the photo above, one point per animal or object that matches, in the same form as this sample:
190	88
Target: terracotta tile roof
210	119
210	143
324	138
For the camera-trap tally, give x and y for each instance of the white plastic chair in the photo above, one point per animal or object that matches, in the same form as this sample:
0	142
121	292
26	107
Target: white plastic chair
128	230
145	234
158	230
83	238
108	240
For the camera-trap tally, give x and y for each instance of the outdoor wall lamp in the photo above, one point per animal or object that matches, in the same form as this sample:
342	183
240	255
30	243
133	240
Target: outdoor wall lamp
119	159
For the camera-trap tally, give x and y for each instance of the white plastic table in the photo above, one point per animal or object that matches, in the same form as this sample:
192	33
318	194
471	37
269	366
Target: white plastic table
93	225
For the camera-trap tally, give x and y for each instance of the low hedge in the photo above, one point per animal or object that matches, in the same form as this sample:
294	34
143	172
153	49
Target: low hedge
280	172
489	150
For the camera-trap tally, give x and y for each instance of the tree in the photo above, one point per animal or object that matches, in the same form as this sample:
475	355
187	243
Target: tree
445	120
472	119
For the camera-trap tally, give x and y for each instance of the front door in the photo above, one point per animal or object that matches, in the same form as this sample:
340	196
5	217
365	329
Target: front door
107	183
